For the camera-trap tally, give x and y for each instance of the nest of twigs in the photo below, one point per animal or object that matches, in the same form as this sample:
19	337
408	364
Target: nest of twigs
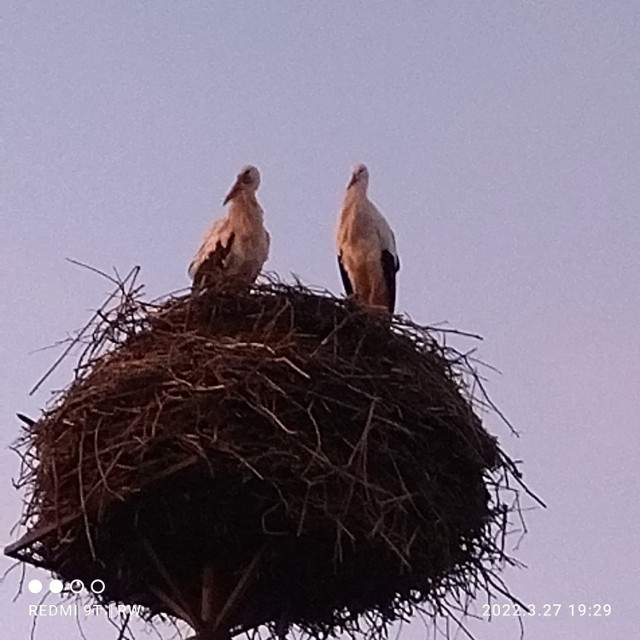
276	457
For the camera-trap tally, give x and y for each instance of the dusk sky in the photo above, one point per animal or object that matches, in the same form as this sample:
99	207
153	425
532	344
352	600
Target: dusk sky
503	142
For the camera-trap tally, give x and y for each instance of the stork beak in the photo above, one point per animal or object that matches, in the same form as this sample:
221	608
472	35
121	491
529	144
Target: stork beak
353	180
235	190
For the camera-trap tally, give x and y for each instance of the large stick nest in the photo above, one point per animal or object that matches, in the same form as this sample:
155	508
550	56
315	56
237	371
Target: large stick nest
327	464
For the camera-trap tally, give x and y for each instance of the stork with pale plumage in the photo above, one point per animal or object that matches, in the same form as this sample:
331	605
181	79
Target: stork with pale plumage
236	247
367	255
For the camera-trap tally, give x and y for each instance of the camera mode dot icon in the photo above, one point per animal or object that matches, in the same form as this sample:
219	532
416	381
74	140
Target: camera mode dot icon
76	586
34	586
55	586
97	586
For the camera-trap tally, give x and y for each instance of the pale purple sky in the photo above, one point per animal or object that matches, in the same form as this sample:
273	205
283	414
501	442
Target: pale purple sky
503	141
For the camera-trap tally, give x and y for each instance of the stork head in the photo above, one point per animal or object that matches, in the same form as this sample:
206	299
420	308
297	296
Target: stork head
248	180
359	176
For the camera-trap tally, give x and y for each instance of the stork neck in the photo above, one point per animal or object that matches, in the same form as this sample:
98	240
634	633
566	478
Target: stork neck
355	199
245	209
357	191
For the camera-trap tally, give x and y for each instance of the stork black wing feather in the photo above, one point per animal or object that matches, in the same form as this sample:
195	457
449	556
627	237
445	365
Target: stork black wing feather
346	282
390	266
214	263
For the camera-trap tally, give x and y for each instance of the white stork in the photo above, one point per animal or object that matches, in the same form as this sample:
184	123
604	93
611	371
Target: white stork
236	247
367	254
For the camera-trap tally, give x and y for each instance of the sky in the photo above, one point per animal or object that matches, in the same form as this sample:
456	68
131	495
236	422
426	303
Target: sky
503	143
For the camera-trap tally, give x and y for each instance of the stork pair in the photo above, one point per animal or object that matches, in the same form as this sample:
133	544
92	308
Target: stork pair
237	246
